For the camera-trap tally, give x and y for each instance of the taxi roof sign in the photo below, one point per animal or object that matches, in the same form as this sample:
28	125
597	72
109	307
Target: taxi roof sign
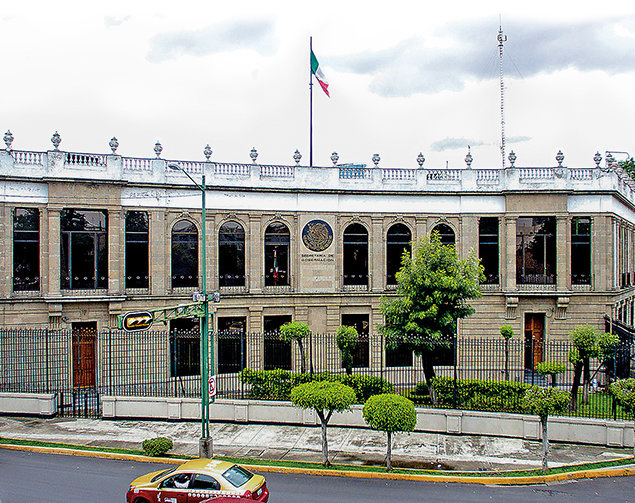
137	321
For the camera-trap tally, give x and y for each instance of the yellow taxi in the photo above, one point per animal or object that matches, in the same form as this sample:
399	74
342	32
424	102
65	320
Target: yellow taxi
198	480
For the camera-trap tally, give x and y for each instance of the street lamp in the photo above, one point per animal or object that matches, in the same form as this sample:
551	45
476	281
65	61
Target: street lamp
205	444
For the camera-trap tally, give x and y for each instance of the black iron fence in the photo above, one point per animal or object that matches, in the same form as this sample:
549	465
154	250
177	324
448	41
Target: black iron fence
166	364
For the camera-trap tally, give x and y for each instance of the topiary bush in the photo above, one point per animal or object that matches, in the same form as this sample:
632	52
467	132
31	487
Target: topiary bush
481	394
277	384
157	446
551	369
420	395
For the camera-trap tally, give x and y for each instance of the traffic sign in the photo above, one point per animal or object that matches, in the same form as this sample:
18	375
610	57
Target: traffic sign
212	385
137	321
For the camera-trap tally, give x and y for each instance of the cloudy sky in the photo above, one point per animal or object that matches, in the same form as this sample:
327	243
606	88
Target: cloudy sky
405	77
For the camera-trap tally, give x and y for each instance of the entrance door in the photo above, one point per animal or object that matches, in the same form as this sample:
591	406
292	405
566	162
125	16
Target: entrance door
534	339
84	349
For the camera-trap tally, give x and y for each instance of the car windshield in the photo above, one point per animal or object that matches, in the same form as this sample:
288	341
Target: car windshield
237	475
164	472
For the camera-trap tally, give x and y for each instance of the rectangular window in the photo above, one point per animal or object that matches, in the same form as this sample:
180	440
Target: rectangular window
401	356
581	251
185	347
26	249
232	346
536	251
137	239
84	249
277	353
488	249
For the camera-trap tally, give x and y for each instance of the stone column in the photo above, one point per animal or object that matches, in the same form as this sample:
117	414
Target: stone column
6	251
54	271
508	262
44	253
255	255
377	252
160	242
563	253
255	345
116	243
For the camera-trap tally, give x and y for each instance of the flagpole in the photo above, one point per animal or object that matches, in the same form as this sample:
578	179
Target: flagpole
310	104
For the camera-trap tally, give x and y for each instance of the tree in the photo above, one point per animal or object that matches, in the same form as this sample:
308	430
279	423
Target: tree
551	369
543	402
507	332
588	343
325	397
390	413
624	392
296	331
433	289
346	338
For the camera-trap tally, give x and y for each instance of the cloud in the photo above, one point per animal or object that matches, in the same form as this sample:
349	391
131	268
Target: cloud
518	139
455	143
115	20
255	35
533	47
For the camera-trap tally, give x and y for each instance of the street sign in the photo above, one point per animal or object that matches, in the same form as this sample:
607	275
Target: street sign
137	321
212	385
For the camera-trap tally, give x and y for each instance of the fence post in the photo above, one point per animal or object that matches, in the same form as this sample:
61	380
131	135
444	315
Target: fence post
46	339
455	392
242	363
381	355
110	361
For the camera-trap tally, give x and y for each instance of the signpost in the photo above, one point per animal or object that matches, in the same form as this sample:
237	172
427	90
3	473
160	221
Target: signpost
212	386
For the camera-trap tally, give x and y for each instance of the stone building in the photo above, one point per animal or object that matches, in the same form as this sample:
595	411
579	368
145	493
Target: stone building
87	237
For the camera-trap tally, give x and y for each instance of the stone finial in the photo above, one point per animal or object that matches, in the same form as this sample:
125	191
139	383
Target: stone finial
253	154
512	158
376	159
468	157
207	152
8	139
113	143
559	158
420	159
597	159
56	139
297	156
158	148
334	158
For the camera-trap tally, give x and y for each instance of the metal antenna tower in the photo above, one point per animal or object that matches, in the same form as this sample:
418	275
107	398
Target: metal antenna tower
502	38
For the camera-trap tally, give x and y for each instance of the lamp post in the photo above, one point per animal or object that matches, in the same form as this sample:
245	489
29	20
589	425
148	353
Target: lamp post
205	444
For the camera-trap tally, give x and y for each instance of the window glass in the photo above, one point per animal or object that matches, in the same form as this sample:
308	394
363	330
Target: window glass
446	234
184	254
581	251
277	241
231	255
26	249
355	255
488	248
237	475
207	482
84	249
185	347
137	239
536	250
397	242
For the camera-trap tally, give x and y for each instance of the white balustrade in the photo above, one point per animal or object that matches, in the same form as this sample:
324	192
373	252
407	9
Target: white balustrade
26	158
487	176
232	169
355	173
79	159
276	171
535	173
137	164
398	174
581	174
443	175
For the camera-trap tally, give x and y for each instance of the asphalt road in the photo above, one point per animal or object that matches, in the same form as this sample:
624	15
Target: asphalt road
29	478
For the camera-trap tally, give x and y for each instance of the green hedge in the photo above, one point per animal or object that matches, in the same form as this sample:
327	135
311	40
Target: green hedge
157	446
481	394
277	384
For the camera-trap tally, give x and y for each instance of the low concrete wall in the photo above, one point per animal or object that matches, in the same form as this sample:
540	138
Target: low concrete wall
564	429
28	404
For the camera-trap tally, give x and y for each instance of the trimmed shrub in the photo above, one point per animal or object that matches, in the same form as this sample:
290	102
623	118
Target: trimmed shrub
481	394
277	384
420	395
157	446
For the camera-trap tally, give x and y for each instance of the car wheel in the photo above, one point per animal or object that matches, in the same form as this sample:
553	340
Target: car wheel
141	500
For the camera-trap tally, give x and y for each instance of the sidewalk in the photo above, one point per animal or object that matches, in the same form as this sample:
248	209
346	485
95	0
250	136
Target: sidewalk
301	443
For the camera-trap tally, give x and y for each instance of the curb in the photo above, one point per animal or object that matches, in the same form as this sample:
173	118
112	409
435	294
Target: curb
622	471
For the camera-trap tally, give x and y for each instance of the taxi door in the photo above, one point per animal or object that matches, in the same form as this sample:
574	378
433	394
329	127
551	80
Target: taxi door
203	487
169	492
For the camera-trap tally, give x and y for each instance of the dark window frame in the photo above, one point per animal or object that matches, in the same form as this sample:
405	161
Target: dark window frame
231	254
26	249
536	260
184	254
137	249
398	240
489	248
581	250
277	244
446	233
355	248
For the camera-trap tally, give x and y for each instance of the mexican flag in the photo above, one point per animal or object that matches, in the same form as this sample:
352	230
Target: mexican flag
317	71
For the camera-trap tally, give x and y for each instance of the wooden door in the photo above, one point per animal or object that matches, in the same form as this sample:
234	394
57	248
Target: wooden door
84	350
534	339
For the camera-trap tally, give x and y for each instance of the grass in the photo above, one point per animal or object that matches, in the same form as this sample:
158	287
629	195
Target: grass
336	467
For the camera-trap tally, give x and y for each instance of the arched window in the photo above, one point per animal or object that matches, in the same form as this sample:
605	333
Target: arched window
184	254
355	255
277	241
231	255
446	233
397	241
